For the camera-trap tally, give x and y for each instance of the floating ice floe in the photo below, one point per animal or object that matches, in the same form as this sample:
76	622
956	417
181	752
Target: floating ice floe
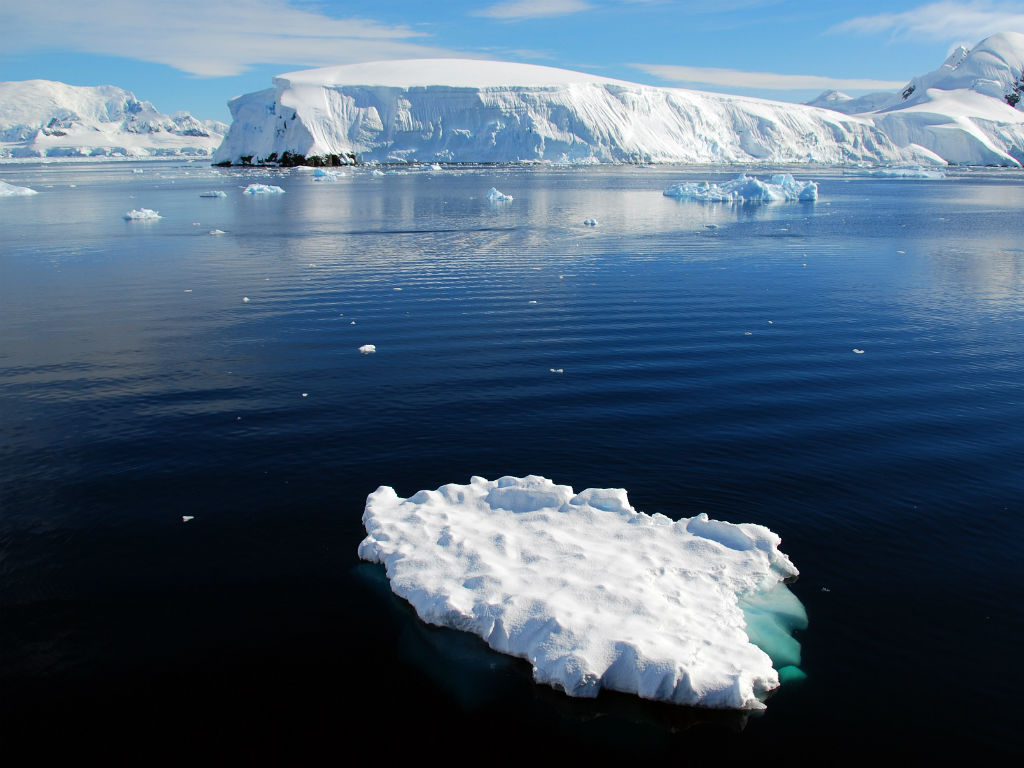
858	351
745	188
898	172
593	593
368	349
142	214
217	232
322	174
214	193
590	222
498	197
557	370
184	518
263	189
10	190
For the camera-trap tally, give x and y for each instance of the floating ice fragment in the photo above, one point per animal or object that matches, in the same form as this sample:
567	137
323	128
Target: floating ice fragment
323	174
898	172
557	370
263	189
745	188
214	193
498	197
590	222
245	299
305	394
9	190
858	351
593	593
139	170
532	301
184	518
217	232
142	214
368	349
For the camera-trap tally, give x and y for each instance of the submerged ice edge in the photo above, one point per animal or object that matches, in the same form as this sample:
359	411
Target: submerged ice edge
591	592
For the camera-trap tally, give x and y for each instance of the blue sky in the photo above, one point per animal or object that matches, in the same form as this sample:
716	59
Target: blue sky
197	54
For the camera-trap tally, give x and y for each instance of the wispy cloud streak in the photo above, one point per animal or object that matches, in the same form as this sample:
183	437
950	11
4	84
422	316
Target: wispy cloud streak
942	21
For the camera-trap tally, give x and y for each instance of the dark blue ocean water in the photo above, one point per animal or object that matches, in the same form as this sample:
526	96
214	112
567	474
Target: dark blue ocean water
707	366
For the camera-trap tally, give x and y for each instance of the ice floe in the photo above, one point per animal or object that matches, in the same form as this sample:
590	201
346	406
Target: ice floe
10	190
323	174
590	222
214	193
263	189
899	172
498	197
368	349
743	188
591	592
142	214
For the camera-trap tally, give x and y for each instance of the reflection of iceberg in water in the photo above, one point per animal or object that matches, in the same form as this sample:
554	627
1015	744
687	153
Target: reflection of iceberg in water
595	595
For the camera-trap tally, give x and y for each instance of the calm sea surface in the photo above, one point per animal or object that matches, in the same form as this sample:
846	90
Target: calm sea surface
151	370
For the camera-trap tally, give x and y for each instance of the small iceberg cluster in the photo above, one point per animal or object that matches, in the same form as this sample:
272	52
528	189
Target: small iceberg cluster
322	174
496	196
593	593
10	190
263	189
899	172
142	214
745	188
214	193
367	349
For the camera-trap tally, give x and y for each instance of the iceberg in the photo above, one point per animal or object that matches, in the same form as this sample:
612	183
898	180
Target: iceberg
214	193
746	189
322	174
142	214
498	197
263	189
591	592
10	190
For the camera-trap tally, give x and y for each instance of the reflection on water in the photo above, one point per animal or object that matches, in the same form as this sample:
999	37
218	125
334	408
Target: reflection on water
706	365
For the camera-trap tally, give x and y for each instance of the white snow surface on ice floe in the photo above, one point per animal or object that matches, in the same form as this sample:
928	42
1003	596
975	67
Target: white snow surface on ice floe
10	190
591	592
745	188
45	118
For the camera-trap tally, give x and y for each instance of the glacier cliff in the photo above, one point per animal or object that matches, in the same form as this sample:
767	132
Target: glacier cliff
484	111
458	110
44	118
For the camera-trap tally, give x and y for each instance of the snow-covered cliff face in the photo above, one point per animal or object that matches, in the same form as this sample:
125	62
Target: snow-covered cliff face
959	111
42	118
475	111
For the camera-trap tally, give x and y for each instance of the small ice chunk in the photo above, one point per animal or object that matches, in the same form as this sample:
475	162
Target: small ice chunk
323	174
217	232
142	214
139	170
557	370
743	188
593	593
263	189
184	518
368	349
10	190
590	222
245	299
305	394
498	197
858	351
214	193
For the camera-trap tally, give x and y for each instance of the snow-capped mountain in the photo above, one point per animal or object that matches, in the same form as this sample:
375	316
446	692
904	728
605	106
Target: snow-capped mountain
485	111
961	112
43	118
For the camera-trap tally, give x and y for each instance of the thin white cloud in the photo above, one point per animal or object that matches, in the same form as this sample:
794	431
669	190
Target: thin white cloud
516	10
208	38
764	81
943	21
